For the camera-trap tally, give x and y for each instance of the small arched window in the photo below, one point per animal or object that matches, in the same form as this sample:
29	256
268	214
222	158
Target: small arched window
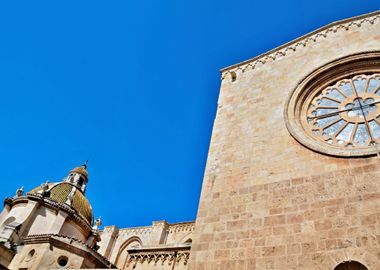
80	181
9	220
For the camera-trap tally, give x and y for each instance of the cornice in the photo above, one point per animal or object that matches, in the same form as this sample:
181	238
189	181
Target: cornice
182	227
159	248
46	201
158	256
175	227
136	230
301	42
55	238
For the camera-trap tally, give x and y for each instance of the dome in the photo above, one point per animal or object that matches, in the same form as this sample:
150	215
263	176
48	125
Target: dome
61	191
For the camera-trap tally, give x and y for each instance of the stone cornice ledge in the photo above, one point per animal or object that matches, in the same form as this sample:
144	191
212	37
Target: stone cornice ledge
182	227
69	242
154	249
68	209
174	227
136	230
159	257
291	46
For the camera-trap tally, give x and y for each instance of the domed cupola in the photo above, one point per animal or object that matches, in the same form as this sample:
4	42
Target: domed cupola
70	193
52	226
78	177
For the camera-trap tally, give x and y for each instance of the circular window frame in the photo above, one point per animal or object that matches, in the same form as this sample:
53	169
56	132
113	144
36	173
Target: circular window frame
63	258
316	81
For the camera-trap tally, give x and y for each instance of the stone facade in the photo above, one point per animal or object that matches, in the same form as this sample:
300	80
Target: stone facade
267	201
52	227
162	245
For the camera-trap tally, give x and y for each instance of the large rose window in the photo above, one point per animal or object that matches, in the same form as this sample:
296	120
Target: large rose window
335	109
346	114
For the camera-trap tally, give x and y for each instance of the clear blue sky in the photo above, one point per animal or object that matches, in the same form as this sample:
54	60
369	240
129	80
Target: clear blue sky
133	86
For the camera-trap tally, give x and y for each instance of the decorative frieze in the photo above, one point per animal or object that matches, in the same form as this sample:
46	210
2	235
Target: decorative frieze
182	227
70	243
159	257
183	256
135	231
301	42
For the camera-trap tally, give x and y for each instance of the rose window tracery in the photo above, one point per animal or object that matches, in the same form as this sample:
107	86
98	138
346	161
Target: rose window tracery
346	114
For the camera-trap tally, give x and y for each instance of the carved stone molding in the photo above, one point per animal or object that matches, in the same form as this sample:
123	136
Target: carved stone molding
292	46
136	231
69	243
183	257
182	227
159	257
68	209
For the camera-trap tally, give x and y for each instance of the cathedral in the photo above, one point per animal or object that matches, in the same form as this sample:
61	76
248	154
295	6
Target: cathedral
52	227
291	181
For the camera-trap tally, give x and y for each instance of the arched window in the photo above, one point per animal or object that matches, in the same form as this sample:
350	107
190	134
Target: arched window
9	220
122	257
350	266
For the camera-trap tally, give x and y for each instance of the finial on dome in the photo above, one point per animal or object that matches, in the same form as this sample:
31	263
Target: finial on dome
45	189
98	223
19	192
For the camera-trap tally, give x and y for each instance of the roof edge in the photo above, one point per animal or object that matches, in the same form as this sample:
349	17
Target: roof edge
335	23
150	226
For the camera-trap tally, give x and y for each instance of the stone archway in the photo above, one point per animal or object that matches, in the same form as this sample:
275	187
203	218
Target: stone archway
122	257
352	265
349	259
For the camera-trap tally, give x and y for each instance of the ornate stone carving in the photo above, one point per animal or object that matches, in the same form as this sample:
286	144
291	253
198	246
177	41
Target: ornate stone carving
19	192
136	231
292	46
69	242
182	227
159	257
98	223
317	131
183	256
45	189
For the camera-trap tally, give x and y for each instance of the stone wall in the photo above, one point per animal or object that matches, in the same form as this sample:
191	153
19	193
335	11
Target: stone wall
268	202
159	246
